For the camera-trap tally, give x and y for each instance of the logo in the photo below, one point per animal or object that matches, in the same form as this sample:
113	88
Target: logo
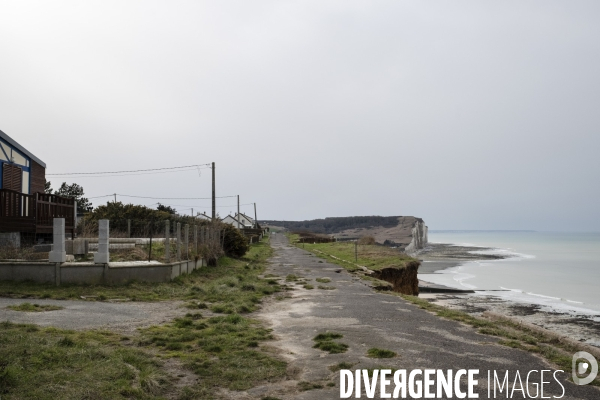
583	363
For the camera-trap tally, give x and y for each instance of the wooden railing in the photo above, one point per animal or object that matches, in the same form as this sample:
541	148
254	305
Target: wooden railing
50	206
17	211
34	212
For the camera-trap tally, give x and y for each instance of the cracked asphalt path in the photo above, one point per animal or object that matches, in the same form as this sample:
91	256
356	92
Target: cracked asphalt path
369	319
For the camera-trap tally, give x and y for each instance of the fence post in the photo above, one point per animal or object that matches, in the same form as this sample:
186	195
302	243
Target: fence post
128	228
150	249
167	242
179	241
187	242
102	255
74	220
196	239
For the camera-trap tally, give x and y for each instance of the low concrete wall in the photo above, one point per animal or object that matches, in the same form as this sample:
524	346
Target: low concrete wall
43	272
90	273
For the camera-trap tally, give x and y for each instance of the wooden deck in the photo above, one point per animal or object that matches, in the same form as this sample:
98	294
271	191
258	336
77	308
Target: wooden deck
34	213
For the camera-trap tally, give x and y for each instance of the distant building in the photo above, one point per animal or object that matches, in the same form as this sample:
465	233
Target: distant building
232	221
203	216
238	223
246	221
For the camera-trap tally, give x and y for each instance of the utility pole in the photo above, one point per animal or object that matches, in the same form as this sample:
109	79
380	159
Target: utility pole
115	198
214	207
192	212
238	215
255	220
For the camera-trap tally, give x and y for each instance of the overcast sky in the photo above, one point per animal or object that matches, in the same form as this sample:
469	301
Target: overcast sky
468	114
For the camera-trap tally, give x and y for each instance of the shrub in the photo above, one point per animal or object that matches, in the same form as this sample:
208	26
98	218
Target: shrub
235	243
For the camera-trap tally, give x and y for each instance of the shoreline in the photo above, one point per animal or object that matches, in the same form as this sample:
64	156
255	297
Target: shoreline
578	326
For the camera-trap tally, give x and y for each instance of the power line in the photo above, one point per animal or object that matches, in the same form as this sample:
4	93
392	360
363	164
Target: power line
160	198
200	206
189	167
173	198
136	174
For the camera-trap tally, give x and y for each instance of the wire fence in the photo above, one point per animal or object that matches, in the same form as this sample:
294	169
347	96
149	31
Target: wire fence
19	246
132	240
152	240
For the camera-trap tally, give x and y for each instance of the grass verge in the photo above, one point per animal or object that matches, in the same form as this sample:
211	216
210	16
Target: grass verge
50	363
374	257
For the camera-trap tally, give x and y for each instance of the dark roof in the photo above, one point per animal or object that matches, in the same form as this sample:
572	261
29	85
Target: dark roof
22	149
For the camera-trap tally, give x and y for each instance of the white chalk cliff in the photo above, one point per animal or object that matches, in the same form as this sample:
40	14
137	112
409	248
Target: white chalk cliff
419	237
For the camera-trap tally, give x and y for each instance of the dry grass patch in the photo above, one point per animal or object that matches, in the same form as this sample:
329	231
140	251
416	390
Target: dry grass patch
28	307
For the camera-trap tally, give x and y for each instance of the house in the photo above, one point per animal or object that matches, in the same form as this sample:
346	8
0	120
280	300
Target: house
246	221
243	222
25	208
232	221
203	216
20	170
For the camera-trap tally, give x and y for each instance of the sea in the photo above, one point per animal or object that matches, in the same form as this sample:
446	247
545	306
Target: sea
556	270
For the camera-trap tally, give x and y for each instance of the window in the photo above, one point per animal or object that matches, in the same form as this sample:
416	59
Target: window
17	158
12	177
25	184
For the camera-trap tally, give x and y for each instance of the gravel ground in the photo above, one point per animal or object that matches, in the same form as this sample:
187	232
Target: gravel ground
123	317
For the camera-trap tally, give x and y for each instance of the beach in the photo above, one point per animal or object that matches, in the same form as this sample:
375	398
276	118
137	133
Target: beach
576	322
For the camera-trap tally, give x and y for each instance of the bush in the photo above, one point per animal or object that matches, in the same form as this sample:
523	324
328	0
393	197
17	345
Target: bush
143	219
235	243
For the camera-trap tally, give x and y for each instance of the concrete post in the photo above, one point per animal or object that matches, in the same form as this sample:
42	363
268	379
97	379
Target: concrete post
58	253
187	241
74	219
179	241
196	238
102	256
167	241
